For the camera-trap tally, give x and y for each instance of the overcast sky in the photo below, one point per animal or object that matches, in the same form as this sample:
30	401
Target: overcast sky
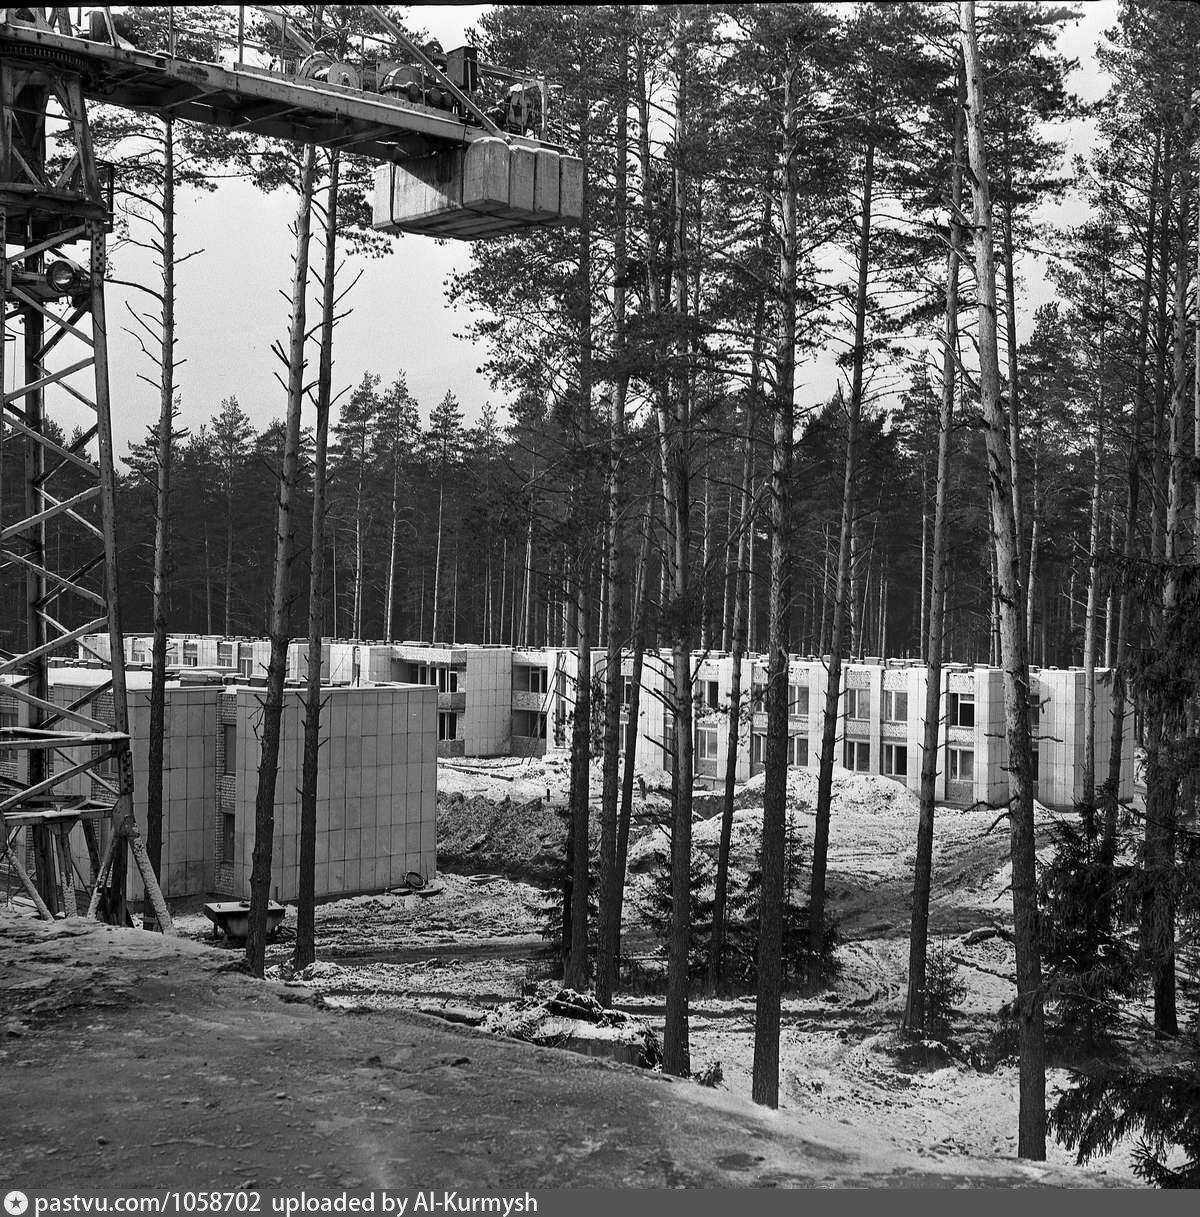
230	309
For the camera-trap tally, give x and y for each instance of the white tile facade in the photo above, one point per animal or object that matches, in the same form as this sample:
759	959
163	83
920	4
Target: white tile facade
491	702
377	786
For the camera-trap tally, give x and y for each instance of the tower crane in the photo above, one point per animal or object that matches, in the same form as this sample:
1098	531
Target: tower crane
461	153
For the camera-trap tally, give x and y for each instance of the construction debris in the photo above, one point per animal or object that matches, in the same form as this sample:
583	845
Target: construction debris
564	1018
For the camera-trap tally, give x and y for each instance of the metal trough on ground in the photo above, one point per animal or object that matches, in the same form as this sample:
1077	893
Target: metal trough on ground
232	917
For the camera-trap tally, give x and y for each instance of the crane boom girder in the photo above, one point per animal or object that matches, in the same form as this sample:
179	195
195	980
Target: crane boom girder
252	99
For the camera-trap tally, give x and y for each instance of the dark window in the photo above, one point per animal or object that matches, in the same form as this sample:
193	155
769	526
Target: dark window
229	734
962	709
856	756
531	723
536	680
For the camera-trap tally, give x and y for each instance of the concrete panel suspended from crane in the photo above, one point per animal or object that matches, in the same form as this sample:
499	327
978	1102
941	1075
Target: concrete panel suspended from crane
454	165
480	190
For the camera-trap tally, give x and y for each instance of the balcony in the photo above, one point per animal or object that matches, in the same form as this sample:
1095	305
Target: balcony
522	699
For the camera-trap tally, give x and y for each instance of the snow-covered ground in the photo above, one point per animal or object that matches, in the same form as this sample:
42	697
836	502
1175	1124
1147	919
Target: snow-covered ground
524	779
477	944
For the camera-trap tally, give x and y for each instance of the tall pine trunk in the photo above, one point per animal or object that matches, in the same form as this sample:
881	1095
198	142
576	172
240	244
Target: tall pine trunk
843	607
673	459
1035	540
575	944
716	945
1090	623
632	712
934	645
389	610
437	560
1011	348
281	587
610	877
1161	776
575	972
1090	635
765	1077
1133	487
1031	1138
676	438
162	511
305	951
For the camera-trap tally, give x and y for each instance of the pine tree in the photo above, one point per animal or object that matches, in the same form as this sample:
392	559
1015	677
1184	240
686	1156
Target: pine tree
396	434
1031	1141
1089	965
232	436
353	458
444	441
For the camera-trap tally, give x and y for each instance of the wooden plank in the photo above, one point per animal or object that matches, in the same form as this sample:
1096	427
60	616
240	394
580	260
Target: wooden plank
26	882
54	711
55	779
40	840
28	657
53	815
93	844
64	582
57	508
49	379
36	737
65	869
49	444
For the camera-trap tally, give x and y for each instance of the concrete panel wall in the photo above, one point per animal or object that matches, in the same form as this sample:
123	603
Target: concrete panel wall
487	720
376	798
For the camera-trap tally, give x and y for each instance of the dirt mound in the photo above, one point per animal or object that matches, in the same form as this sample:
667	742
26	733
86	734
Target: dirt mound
523	840
706	839
853	793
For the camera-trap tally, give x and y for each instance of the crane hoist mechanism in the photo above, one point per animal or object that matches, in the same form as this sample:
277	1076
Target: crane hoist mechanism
461	153
459	141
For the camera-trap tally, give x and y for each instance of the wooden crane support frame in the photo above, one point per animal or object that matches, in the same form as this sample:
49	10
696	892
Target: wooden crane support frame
53	218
